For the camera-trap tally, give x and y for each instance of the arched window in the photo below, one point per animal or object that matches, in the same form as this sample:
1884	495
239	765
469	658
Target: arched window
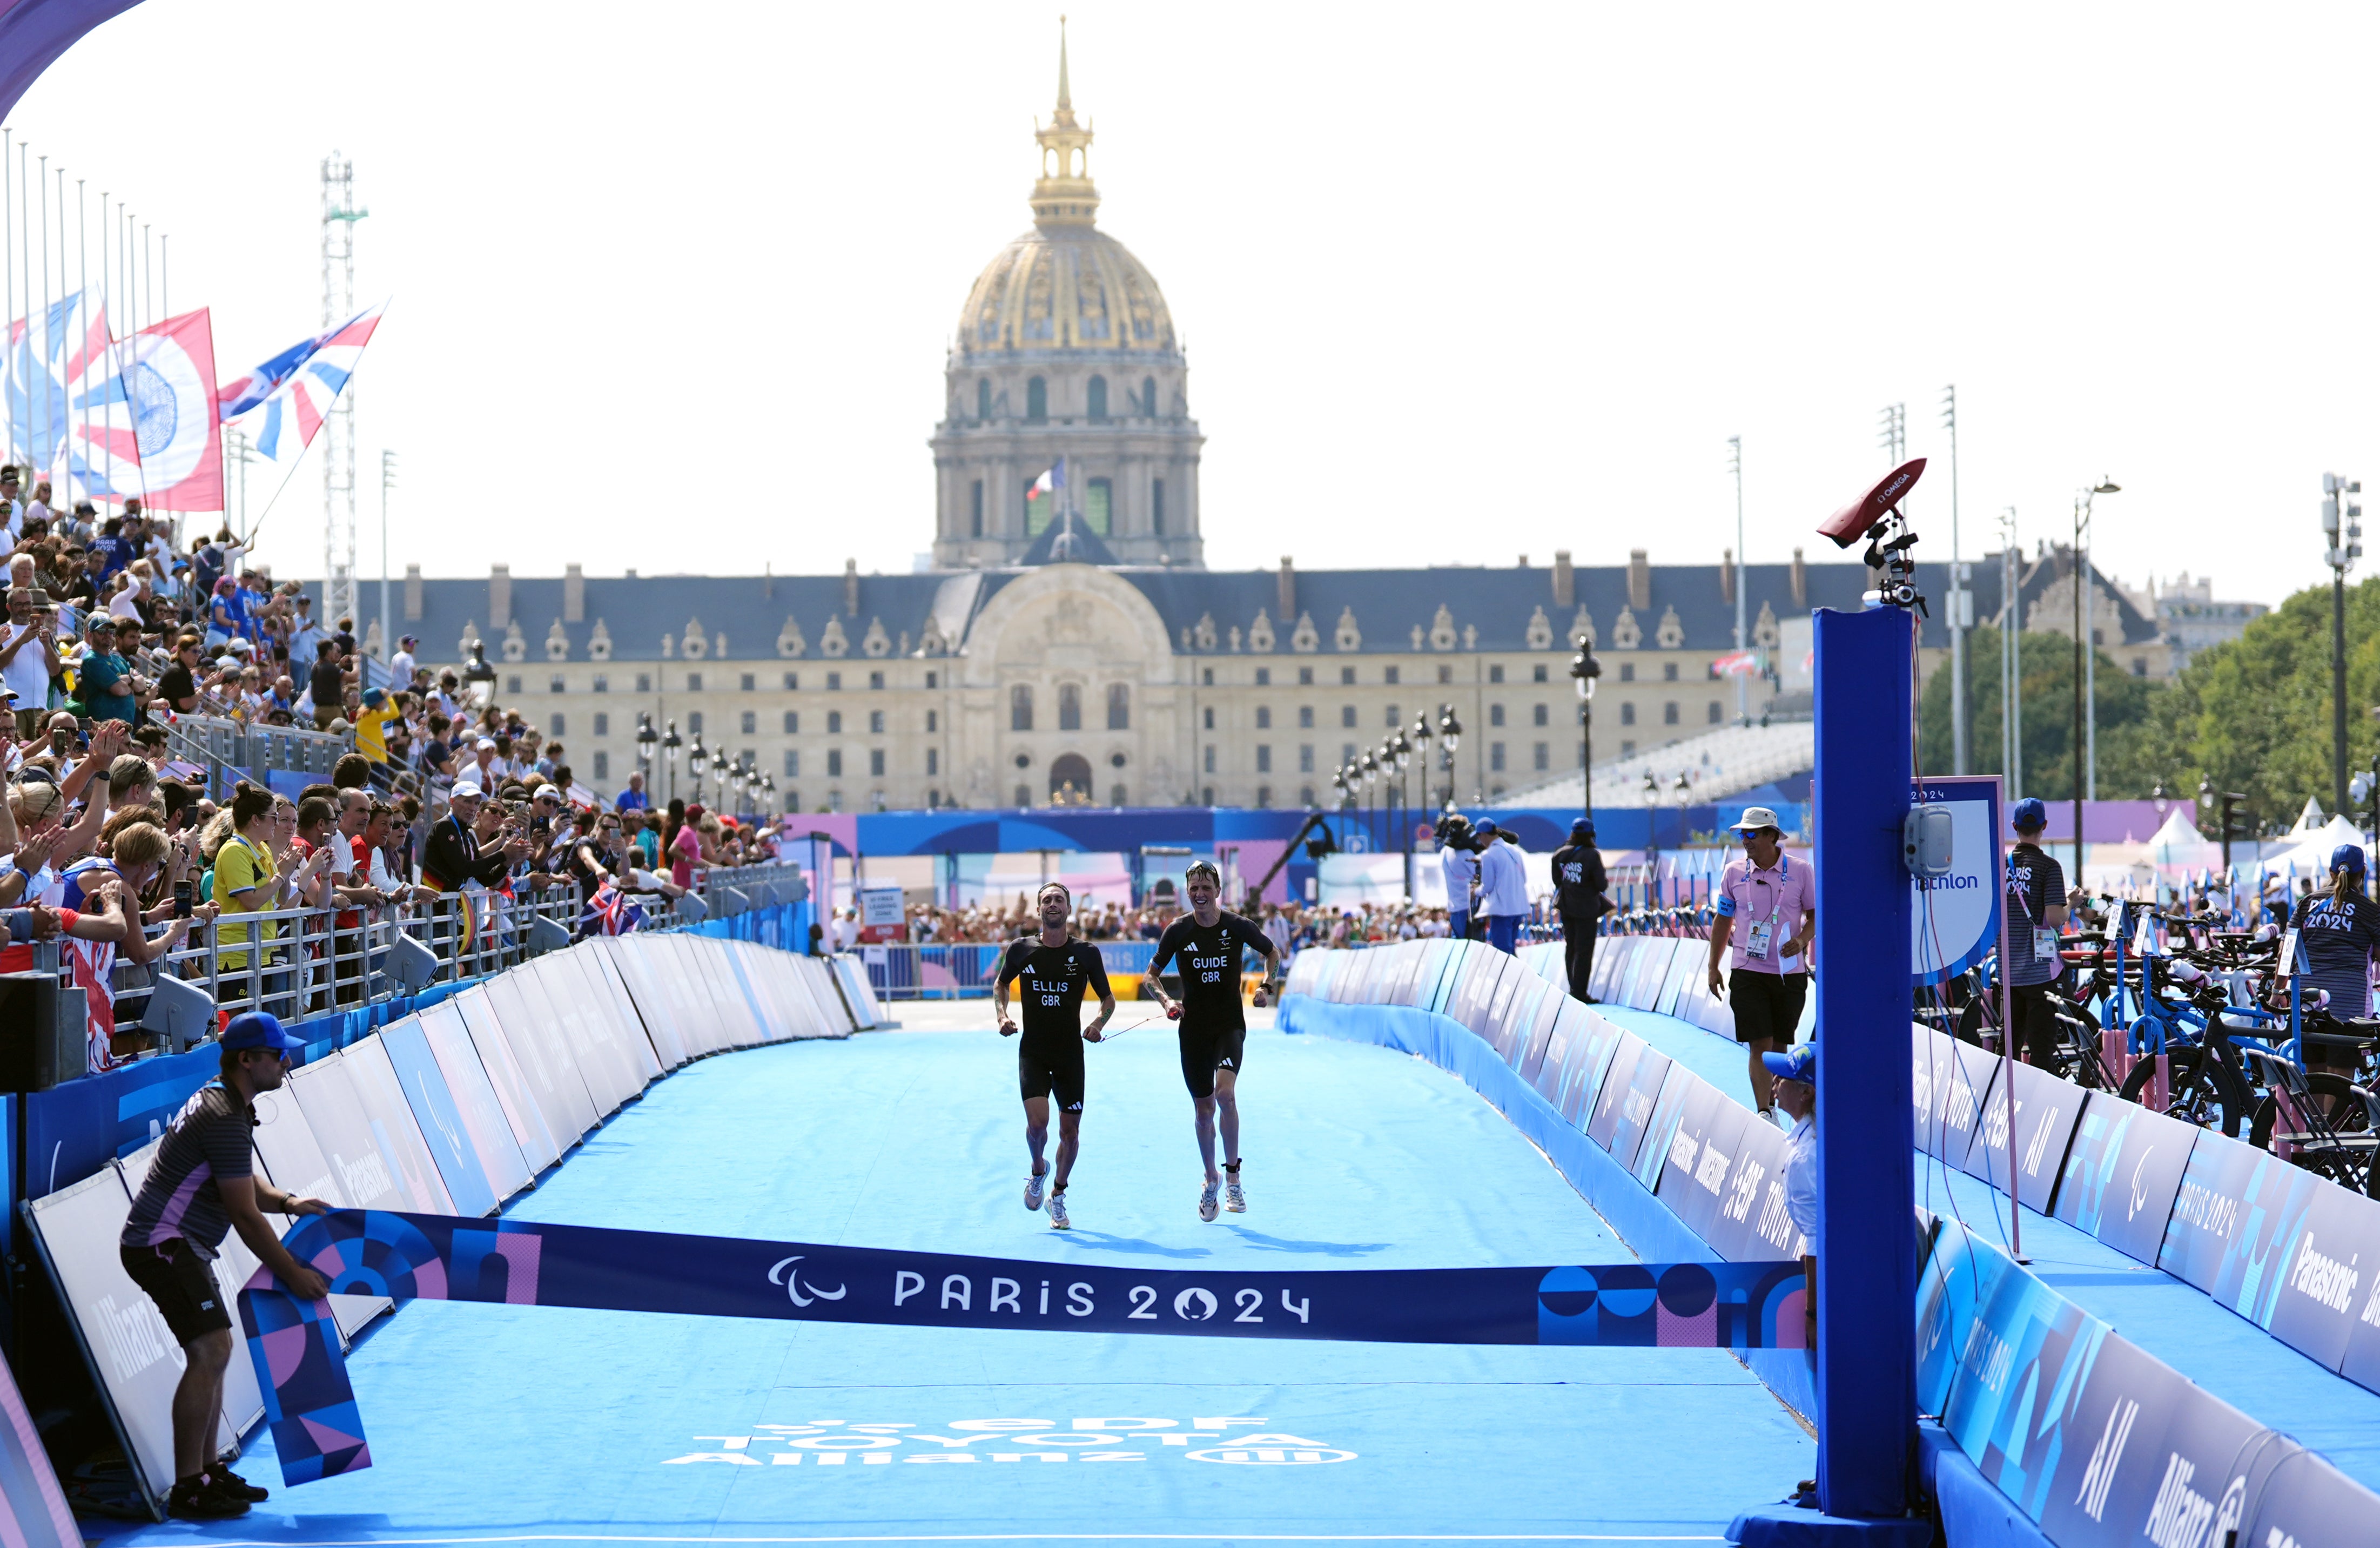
983	397
1149	396
1037	399
1020	708
1070	707
1098	397
1119	709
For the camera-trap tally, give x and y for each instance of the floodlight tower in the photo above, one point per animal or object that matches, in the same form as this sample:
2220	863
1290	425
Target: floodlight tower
339	218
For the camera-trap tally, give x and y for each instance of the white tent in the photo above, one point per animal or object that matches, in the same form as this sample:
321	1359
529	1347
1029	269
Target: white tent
2309	852
2309	821
2179	845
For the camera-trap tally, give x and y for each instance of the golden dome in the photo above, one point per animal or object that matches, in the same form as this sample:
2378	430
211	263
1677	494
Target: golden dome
1065	284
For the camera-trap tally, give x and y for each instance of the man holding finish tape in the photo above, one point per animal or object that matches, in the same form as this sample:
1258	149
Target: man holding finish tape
1057	969
1771	902
1214	1033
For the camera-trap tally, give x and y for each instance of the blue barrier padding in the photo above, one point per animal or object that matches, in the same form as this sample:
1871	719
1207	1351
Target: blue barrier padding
1974	1511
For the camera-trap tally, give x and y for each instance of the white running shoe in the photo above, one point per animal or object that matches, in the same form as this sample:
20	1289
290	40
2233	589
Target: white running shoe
1233	1200
1057	1207
1206	1199
1033	1186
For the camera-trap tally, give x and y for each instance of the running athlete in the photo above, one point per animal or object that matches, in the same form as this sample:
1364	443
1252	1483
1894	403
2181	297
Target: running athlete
1057	969
1214	1033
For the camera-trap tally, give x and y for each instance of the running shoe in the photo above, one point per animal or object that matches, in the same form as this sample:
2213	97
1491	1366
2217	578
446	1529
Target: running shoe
1033	1186
1057	1207
1233	1200
203	1502
1206	1199
226	1481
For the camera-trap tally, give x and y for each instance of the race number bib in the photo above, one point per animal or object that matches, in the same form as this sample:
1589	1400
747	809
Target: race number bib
1756	945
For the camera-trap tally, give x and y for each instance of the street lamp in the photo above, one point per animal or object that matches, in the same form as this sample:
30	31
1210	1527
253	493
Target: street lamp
2343	540
696	758
478	678
1652	831
1583	670
646	739
1404	841
718	776
1450	732
2087	659
670	746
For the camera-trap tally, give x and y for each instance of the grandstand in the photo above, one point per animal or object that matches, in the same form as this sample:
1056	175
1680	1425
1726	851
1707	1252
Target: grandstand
1715	764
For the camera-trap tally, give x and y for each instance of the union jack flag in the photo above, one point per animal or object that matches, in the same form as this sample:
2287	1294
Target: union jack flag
609	912
290	393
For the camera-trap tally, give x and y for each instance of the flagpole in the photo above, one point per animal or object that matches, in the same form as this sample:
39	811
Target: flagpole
25	253
83	284
46	416
9	241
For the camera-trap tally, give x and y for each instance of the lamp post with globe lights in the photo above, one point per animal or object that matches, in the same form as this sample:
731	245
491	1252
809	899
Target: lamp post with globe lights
1583	670
670	746
1450	732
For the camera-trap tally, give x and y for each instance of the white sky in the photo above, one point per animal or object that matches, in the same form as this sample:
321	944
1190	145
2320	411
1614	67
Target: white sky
1457	285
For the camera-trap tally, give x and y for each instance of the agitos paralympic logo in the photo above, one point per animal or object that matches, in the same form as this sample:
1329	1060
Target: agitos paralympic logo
1240	1442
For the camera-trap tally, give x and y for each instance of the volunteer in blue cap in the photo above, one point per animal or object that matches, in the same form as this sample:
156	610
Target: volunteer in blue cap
1579	899
202	1185
2340	931
1794	1082
2036	911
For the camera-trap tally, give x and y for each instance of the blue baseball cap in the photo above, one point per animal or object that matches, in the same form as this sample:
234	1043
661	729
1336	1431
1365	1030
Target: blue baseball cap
258	1029
1485	825
1798	1064
2347	858
2029	816
1580	828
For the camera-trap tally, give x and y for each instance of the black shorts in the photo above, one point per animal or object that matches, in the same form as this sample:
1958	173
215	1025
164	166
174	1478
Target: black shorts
1767	1005
183	1285
1043	1069
1208	1049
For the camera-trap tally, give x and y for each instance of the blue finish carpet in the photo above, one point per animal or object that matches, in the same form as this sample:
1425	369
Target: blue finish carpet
499	1423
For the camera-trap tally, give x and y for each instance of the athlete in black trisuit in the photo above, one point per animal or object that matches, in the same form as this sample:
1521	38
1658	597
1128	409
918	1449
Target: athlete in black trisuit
1214	1033
1057	969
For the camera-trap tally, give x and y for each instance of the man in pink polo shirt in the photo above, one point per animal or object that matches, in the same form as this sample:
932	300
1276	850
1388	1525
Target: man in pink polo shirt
1768	913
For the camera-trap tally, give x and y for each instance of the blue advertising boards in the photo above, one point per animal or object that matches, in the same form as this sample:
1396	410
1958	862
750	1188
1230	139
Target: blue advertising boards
2122	1172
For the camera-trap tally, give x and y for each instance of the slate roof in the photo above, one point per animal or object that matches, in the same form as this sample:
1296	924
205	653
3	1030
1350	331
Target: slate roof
1385	604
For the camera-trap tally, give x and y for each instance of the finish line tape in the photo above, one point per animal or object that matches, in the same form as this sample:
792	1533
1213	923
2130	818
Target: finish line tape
319	1433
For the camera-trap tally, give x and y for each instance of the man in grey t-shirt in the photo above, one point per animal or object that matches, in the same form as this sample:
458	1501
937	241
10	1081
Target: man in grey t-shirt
201	1186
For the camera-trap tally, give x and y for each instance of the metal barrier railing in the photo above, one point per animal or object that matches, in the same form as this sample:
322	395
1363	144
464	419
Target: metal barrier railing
227	749
311	963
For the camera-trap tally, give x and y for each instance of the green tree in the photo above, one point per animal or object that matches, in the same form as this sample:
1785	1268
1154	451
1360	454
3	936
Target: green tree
2135	742
2253	715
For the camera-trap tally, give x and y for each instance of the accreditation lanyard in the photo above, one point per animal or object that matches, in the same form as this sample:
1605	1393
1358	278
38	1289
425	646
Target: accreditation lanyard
1763	934
2045	941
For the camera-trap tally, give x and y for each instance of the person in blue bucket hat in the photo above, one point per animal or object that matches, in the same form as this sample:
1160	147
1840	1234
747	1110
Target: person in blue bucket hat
1794	1082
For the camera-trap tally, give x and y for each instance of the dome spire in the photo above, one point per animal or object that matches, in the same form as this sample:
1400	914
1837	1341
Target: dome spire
1064	195
1065	97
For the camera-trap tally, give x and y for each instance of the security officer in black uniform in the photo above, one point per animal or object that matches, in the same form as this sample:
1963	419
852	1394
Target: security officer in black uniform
1578	894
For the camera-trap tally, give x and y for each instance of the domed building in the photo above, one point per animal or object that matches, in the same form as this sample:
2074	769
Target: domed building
1065	363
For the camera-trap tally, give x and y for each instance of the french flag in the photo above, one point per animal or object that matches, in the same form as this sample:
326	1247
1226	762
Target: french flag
1050	482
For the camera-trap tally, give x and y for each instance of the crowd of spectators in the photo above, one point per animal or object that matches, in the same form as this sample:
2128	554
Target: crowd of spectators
111	846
